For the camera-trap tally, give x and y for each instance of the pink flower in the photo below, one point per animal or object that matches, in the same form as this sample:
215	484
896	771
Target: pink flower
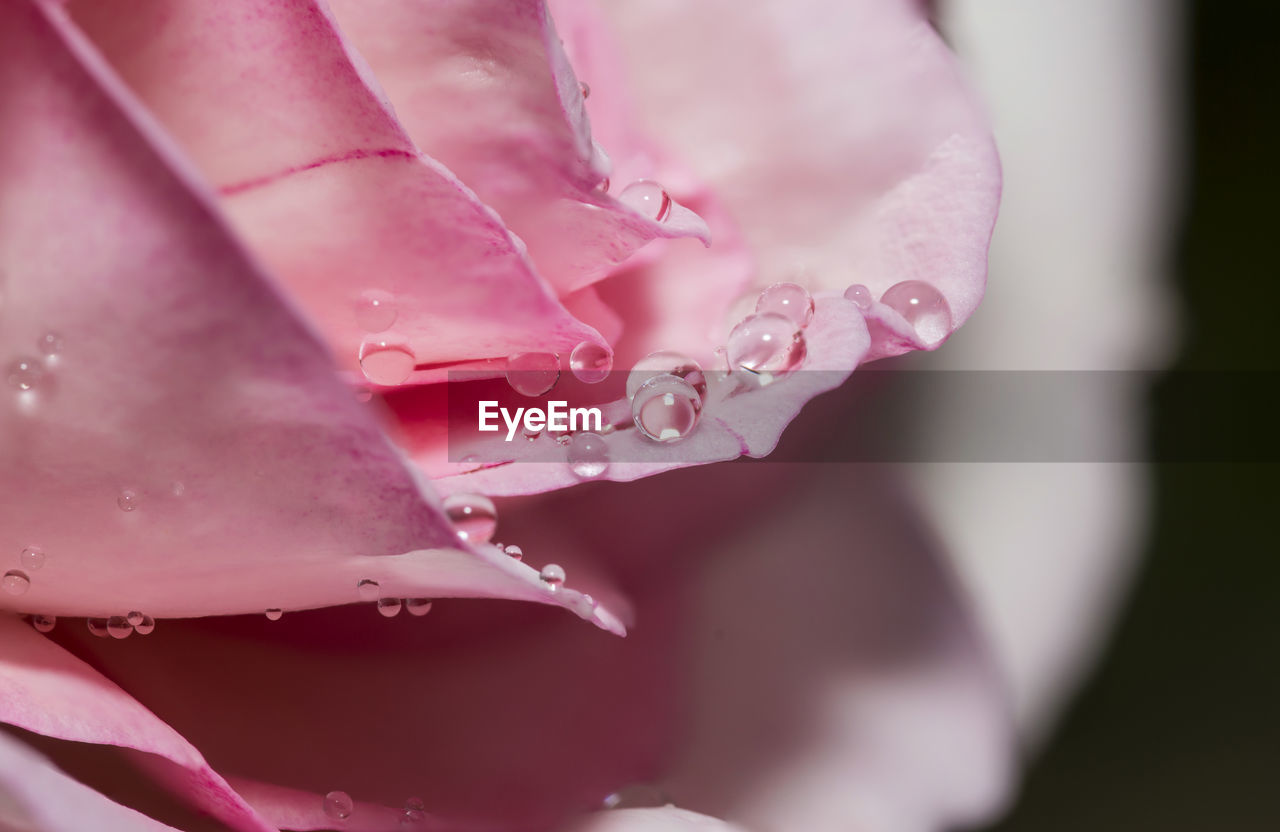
205	208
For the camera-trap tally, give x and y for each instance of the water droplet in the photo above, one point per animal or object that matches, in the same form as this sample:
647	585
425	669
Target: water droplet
588	455
647	198
766	343
790	300
473	515
16	582
585	88
552	575
637	796
666	408
43	623
418	606
531	433
32	558
923	306
389	607
49	344
97	627
590	363
274	614
563	439
145	627
25	373
515	551
533	373
339	805
134	618
119	627
376	310
127	500
666	362
177	489
604	185
368	590
386	362
860	295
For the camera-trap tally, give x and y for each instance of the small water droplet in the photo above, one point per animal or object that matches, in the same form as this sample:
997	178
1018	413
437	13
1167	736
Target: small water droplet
531	433
473	515
43	623
860	295
386	362
376	310
666	362
585	88
552	575
49	344
563	439
97	627
127	500
368	590
666	408
177	489
766	343
590	363
16	582
32	558
415	811
389	607
533	373
637	796
647	198
134	618
119	627
146	626
923	306
588	456
338	805
515	551
604	185
418	606
790	300
25	373
274	614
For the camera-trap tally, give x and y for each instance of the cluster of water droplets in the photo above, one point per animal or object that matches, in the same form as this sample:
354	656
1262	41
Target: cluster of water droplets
770	342
121	626
29	372
339	806
919	303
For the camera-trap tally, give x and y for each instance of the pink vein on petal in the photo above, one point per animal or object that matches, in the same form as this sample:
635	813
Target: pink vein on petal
349	156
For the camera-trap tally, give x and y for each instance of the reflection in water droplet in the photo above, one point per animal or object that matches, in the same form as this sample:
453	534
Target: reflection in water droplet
386	362
367	590
666	408
25	373
860	295
765	343
15	582
43	623
146	626
923	306
647	198
49	344
790	300
533	373
389	607
134	618
127	500
666	362
417	606
376	310
97	627
552	575
588	456
515	551
637	796
32	558
338	805
119	627
274	614
590	363
473	515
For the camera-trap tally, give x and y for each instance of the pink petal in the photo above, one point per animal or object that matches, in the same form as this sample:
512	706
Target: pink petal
665	819
840	135
320	178
185	388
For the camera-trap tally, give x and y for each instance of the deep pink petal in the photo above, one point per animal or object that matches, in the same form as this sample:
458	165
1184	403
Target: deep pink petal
184	390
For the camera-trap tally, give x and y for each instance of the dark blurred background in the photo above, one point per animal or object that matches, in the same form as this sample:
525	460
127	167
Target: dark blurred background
1179	726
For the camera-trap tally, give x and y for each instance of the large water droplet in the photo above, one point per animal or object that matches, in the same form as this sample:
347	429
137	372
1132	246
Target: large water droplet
119	627
127	500
274	614
923	306
637	796
49	344
552	575
473	515
386	362
368	590
590	363
666	362
376	310
16	582
666	408
860	295
338	805
389	607
25	373
32	558
763	344
418	606
134	618
588	455
515	551
145	627
97	627
790	300
533	373
647	198
43	623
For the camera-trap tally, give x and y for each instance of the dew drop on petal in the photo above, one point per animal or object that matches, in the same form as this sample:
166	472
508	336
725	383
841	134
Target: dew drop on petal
585	89
146	626
15	582
274	614
860	295
473	516
43	623
134	618
368	590
418	606
666	408
923	306
97	627
588	455
49	344
127	500
386	362
647	198
603	187
637	796
531	433
590	363
790	300
515	552
25	373
338	805
666	362
552	575
389	607
765	343
533	373
376	310
119	627
32	558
